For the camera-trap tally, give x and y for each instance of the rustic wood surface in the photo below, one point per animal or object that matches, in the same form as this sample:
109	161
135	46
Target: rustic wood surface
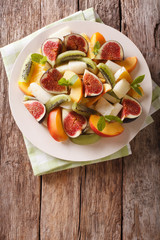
116	200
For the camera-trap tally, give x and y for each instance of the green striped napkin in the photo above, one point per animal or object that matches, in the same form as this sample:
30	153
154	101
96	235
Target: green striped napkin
41	162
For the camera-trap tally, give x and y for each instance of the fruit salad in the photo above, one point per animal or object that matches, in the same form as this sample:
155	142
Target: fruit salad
80	87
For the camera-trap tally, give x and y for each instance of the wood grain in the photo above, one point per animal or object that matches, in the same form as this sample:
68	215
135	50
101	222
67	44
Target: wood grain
19	189
141	177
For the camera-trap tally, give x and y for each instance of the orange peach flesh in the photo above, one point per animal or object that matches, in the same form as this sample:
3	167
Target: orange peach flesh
55	126
110	130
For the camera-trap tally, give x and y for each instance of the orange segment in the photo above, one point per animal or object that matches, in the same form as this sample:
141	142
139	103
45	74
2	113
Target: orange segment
129	63
97	37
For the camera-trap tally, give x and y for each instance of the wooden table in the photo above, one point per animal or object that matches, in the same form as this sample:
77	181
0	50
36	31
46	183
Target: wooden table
119	199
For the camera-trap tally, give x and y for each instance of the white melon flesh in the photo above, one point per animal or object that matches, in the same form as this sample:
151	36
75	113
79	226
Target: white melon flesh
77	66
110	98
117	108
63	68
114	67
39	93
121	88
61	33
67	105
119	72
103	107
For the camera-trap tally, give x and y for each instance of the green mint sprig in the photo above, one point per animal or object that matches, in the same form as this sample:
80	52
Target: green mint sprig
38	58
68	82
135	84
96	47
102	121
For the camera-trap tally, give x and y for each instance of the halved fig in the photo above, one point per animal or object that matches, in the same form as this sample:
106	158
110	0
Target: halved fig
73	123
36	108
69	55
131	109
76	41
107	73
83	110
49	81
111	50
51	48
92	84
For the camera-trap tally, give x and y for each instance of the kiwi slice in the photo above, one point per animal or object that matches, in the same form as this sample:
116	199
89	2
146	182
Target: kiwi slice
85	139
55	101
27	70
107	73
91	65
83	110
69	55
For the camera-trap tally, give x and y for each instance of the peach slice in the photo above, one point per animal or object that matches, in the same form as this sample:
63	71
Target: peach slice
123	73
129	63
111	129
55	127
76	93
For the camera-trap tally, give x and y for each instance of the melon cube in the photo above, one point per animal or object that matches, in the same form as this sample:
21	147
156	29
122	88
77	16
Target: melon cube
121	88
117	108
103	107
114	67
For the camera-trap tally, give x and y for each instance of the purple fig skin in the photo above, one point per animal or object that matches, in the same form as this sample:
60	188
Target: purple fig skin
51	48
110	50
75	41
49	81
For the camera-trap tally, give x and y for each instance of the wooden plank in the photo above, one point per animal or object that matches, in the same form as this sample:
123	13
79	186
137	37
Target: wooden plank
141	178
101	183
19	189
60	191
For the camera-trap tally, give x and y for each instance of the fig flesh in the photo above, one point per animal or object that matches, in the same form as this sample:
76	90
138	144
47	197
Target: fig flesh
75	41
49	81
51	48
131	109
111	50
92	84
36	108
69	55
73	123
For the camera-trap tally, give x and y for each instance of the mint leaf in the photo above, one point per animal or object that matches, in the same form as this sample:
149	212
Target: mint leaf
138	80
63	82
68	82
38	58
110	118
101	123
136	89
96	47
43	60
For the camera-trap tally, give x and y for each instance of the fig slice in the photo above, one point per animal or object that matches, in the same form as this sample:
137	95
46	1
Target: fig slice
51	48
37	109
131	109
111	50
73	123
92	84
49	81
76	41
69	55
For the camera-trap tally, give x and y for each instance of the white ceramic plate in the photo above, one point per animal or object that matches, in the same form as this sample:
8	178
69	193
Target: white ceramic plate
38	135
